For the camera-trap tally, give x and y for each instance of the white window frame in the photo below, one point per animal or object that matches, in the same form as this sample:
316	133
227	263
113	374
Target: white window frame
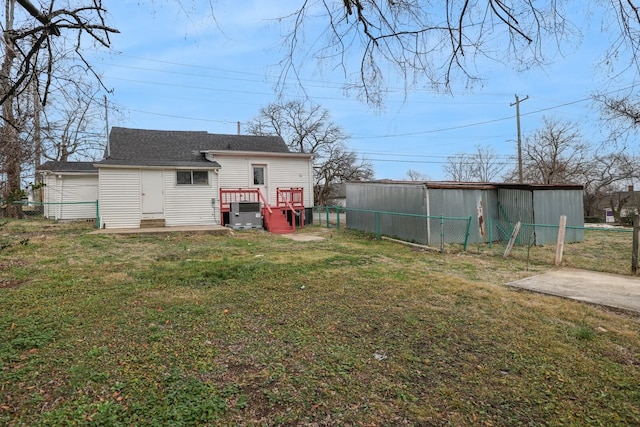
192	181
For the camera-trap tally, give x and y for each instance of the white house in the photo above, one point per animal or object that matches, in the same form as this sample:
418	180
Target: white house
173	178
70	191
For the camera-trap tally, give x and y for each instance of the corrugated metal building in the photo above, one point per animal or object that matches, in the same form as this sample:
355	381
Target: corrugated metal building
493	208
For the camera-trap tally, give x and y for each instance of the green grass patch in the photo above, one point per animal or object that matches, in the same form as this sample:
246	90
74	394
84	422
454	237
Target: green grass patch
254	329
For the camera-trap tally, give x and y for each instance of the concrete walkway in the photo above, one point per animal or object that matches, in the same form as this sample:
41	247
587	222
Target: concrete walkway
609	290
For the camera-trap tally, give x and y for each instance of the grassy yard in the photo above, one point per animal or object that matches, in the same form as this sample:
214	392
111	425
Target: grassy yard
606	250
255	329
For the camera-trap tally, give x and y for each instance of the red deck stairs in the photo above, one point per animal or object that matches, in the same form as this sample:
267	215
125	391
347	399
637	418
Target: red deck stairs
276	222
279	218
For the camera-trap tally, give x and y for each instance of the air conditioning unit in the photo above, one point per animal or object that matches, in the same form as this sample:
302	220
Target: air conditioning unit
245	215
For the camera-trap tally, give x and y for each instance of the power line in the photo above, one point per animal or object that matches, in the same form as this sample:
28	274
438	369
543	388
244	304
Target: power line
180	117
438	162
321	83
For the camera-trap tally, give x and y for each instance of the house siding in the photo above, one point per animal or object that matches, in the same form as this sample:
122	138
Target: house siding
52	196
120	204
63	189
287	171
191	204
283	172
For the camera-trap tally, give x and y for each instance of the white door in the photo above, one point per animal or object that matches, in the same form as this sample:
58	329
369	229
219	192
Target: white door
259	179
152	193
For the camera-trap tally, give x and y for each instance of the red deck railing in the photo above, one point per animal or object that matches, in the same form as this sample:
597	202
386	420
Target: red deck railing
290	196
290	199
228	196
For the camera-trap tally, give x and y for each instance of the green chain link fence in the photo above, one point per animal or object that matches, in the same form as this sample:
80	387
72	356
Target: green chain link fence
71	211
603	248
606	248
436	231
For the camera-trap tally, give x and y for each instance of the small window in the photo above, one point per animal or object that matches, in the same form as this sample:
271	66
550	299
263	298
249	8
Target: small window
200	177
258	175
192	177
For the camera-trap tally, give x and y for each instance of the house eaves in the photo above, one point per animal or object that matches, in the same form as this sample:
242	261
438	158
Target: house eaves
67	168
118	164
234	153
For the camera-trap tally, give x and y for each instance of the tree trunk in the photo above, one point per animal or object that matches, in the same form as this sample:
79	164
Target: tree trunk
10	149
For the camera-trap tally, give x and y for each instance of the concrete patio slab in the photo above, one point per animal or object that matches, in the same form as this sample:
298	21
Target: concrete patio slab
609	290
208	229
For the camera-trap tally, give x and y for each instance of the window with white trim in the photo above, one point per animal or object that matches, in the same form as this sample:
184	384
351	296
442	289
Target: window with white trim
192	177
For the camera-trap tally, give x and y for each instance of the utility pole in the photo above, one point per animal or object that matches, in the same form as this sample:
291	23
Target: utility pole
517	104
106	119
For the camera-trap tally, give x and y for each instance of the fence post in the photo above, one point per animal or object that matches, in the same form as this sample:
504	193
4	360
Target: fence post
97	214
441	234
326	210
338	217
378	224
636	244
560	245
512	240
491	233
466	237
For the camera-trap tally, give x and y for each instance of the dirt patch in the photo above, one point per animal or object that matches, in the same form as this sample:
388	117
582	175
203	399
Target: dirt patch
9	284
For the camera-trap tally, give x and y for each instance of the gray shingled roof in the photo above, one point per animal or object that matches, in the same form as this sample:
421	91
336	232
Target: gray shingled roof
180	148
55	166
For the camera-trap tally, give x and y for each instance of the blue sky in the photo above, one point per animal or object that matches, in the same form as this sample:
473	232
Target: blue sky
173	67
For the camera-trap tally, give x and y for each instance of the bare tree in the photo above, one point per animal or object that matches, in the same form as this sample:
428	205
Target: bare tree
556	154
414	175
459	167
481	166
74	124
339	166
304	126
620	115
307	128
606	177
50	30
432	44
30	51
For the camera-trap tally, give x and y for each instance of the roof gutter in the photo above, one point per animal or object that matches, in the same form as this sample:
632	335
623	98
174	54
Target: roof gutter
213	153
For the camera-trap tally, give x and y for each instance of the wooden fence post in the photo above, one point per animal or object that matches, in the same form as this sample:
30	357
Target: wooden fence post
512	240
560	245
636	244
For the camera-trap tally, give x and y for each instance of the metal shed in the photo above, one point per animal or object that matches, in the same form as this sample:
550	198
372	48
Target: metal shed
431	212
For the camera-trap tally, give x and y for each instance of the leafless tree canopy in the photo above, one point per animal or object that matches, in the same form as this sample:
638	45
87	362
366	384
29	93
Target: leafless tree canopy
37	38
607	176
73	123
556	154
307	128
414	175
437	42
481	166
44	32
621	117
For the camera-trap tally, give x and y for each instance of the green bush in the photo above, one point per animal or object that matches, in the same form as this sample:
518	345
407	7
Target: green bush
592	220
